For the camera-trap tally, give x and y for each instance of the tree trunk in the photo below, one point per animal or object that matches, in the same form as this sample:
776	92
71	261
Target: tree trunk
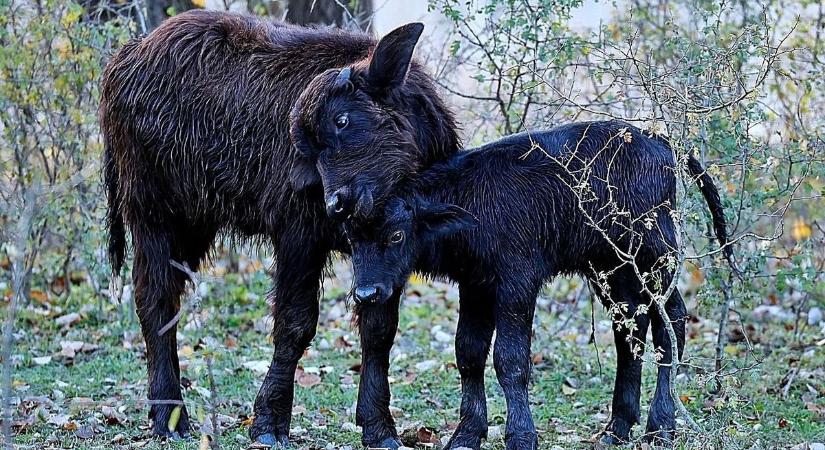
159	10
350	14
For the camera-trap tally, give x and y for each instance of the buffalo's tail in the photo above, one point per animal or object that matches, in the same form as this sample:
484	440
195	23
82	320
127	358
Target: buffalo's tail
114	216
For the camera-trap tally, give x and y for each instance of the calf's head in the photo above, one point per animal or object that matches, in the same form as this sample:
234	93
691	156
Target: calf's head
358	129
386	246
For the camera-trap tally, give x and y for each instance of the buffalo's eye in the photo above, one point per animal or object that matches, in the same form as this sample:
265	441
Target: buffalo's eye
396	237
341	121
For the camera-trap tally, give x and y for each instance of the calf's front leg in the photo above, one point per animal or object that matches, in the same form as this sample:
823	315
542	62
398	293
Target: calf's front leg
295	319
472	345
378	324
511	357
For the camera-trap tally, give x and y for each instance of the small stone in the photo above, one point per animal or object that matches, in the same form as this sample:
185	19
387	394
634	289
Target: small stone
816	446
68	319
350	427
494	433
814	317
443	337
426	365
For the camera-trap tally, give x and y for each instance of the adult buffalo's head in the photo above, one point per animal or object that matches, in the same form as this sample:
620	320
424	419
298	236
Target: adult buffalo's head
363	129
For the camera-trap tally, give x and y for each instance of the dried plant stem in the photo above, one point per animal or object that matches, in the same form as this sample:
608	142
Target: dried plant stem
19	276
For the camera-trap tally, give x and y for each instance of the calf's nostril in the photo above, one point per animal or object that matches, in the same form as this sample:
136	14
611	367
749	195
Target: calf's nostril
366	294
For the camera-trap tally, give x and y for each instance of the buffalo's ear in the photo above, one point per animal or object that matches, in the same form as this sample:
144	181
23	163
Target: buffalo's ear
303	174
391	59
443	219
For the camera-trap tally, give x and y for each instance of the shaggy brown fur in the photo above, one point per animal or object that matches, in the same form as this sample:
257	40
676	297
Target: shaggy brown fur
195	118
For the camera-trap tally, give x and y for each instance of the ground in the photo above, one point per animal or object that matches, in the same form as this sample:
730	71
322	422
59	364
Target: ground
81	376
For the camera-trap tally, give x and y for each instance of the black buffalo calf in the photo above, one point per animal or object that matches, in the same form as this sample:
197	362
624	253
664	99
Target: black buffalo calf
214	124
503	219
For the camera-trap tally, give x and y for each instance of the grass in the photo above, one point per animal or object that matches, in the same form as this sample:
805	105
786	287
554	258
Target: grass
570	392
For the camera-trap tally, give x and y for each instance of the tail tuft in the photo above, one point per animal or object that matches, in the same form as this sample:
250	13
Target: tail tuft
117	228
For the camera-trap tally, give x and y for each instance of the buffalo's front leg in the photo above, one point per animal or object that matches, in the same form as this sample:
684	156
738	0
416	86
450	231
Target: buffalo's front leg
295	315
378	324
472	345
158	287
511	356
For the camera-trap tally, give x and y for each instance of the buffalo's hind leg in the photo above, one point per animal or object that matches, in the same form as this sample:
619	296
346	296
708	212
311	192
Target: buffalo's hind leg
298	271
629	335
158	287
472	345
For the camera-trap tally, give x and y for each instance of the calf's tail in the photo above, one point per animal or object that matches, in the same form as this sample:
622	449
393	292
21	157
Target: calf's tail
711	195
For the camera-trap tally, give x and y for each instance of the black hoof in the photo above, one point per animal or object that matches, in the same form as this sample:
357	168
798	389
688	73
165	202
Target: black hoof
609	439
616	433
660	438
390	443
272	440
464	441
522	441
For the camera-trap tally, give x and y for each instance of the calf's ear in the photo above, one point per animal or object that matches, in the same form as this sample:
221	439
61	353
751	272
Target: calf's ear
442	219
392	56
303	174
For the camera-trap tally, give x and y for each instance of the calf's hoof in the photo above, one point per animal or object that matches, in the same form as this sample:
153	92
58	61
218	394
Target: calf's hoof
608	439
662	437
463	441
616	433
390	443
521	441
272	441
161	426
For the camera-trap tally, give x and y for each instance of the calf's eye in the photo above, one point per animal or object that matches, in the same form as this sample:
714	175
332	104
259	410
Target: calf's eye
341	121
396	237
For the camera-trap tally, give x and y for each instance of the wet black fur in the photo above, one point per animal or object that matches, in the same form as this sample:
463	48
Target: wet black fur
196	125
502	220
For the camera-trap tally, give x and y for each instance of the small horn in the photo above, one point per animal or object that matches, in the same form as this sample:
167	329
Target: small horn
343	77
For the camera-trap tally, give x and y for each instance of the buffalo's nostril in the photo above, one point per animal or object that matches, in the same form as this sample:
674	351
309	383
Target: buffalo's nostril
368	294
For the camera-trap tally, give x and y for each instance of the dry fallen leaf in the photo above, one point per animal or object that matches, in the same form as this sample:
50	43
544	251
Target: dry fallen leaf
174	417
307	380
425	435
205	442
567	390
85	432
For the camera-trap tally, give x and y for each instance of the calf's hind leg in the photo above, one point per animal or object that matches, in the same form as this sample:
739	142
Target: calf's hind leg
661	421
511	356
158	287
630	346
472	345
